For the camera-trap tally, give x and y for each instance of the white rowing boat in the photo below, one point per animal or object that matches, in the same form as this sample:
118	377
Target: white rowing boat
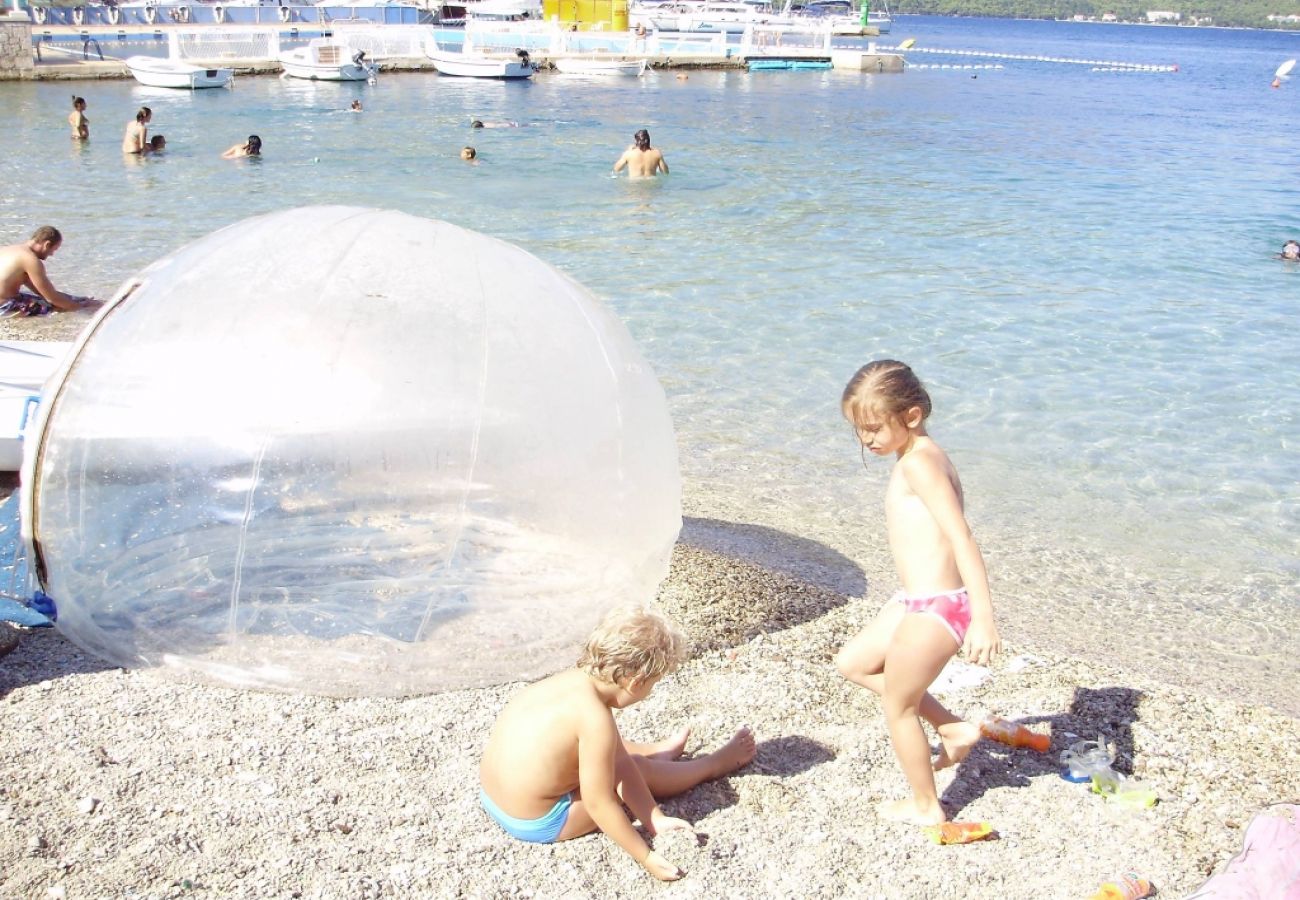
473	64
628	68
171	73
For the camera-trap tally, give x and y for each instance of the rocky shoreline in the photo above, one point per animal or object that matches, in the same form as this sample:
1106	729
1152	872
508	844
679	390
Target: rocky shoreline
121	783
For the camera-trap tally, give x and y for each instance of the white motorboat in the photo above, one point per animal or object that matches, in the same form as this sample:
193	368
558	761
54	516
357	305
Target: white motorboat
713	18
629	68
171	73
841	17
471	63
324	60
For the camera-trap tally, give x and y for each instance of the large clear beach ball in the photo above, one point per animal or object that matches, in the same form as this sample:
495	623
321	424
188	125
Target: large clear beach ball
352	452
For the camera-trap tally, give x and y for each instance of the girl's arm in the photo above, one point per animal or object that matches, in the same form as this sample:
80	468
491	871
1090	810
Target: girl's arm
931	483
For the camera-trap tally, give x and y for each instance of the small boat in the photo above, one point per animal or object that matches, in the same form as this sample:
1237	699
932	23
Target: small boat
171	73
324	60
473	64
630	68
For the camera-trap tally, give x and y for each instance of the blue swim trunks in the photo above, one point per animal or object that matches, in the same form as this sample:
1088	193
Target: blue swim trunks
543	830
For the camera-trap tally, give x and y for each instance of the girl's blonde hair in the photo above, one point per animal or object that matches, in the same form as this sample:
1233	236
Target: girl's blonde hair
632	642
885	386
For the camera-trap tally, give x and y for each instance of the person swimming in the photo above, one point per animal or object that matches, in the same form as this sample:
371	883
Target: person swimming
468	154
1290	250
251	147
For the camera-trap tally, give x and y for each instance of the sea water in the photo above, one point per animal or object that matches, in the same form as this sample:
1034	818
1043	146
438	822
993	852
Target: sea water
1080	265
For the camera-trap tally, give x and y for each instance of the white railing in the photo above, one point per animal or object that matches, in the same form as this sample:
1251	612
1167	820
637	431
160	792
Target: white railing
234	43
384	41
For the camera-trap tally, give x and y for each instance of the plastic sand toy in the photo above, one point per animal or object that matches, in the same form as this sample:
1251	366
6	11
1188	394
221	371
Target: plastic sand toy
959	832
1014	735
1084	759
1129	886
1133	792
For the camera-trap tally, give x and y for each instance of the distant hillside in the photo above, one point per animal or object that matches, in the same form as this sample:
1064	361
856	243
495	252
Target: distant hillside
1249	13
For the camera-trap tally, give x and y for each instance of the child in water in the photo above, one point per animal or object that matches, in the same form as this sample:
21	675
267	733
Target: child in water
555	766
944	603
78	121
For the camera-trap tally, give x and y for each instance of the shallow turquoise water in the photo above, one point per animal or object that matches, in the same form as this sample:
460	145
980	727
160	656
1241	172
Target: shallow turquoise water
1078	263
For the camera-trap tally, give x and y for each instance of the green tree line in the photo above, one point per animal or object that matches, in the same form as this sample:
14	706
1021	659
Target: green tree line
1248	13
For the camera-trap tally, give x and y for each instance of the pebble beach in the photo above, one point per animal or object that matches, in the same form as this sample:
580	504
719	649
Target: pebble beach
117	783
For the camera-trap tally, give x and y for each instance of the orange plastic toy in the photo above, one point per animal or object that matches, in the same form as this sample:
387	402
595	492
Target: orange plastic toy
1129	886
959	832
1014	735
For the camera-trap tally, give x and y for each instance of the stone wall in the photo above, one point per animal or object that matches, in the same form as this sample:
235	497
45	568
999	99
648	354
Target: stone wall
15	46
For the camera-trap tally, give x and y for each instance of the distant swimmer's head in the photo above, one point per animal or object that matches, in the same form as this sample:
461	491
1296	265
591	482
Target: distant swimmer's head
642	139
144	115
468	153
157	142
356	106
1291	250
45	240
79	103
254	145
882	393
476	123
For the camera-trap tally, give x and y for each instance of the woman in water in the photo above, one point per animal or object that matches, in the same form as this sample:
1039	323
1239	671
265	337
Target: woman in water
137	132
251	147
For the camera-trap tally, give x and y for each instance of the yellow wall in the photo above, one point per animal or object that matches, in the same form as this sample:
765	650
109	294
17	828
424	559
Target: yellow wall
588	15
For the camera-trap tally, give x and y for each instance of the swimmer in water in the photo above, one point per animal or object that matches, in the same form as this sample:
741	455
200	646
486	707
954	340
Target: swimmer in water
137	132
251	147
641	160
469	154
77	119
1290	250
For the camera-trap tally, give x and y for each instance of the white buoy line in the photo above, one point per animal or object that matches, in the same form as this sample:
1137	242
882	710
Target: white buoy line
1098	65
955	66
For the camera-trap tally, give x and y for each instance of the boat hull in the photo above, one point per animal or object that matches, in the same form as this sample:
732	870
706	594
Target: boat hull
471	66
325	63
601	67
168	74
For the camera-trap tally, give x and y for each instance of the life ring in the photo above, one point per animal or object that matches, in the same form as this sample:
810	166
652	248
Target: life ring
78	15
219	13
285	13
40	14
151	14
114	15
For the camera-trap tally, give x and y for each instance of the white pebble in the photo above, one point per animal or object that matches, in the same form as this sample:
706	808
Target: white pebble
87	805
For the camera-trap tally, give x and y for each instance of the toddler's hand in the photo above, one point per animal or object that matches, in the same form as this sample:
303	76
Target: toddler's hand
661	868
660	822
982	643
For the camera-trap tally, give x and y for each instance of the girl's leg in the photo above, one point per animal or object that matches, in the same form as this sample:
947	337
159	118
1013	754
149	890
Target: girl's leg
669	777
862	661
916	656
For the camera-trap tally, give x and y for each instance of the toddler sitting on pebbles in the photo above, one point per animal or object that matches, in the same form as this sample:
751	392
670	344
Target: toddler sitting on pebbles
555	766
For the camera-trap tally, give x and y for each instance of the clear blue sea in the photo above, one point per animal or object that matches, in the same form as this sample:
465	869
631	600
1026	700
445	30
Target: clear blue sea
1079	263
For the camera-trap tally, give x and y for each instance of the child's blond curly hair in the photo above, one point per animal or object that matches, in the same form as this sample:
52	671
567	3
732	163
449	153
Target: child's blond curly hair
632	642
